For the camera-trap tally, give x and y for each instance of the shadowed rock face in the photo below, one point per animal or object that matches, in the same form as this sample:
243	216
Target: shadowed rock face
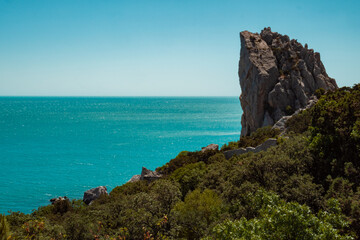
93	194
277	77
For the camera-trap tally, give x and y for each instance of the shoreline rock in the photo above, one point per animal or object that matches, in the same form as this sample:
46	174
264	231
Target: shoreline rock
93	194
210	147
147	175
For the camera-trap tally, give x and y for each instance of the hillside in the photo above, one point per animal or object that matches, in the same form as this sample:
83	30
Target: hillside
306	187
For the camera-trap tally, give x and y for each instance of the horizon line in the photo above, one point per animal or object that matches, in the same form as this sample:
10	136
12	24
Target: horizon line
111	96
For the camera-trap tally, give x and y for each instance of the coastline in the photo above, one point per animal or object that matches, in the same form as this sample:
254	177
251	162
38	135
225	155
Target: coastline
90	155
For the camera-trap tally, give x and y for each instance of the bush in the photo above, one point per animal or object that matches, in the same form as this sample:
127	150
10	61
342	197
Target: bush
256	138
335	131
280	220
189	176
289	110
78	228
4	228
185	158
299	123
129	189
197	213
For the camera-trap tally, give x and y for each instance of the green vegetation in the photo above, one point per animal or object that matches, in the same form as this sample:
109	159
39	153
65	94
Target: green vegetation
278	219
306	187
198	211
4	228
255	139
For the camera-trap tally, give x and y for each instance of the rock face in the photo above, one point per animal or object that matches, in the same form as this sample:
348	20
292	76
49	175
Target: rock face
93	194
210	147
281	123
277	77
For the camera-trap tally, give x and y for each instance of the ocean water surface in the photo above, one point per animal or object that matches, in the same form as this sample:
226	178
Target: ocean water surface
63	146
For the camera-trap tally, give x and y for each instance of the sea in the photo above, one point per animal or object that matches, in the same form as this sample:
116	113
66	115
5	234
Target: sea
63	146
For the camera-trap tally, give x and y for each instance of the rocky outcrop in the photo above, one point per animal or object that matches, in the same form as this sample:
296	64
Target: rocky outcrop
93	194
135	178
147	175
262	147
210	147
58	199
277	77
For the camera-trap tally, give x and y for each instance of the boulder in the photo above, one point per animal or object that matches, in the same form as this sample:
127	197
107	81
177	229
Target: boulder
134	178
149	175
93	194
277	77
210	147
58	199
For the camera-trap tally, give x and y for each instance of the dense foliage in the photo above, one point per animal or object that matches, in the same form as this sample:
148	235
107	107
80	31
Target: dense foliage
278	219
306	187
4	228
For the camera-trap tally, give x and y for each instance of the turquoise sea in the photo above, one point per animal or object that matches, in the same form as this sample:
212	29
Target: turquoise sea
62	146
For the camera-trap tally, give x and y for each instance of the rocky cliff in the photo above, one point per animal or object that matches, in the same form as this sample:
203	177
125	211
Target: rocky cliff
277	77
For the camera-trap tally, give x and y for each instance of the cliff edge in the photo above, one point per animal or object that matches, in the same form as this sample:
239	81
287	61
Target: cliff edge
277	77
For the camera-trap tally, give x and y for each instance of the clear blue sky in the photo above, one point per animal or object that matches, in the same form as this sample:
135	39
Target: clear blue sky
159	47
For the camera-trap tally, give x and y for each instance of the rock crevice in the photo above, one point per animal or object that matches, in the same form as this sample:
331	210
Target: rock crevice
277	77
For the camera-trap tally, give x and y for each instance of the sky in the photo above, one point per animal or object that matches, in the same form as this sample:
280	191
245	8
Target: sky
159	47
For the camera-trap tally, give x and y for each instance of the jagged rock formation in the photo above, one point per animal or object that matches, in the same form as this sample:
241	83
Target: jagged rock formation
277	77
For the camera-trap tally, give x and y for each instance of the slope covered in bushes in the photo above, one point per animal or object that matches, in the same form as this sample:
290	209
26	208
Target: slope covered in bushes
306	187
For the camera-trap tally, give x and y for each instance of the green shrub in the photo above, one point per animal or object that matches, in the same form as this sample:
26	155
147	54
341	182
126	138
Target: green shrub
78	228
299	123
129	189
289	110
189	176
185	158
258	137
278	220
216	174
319	92
17	219
166	193
4	228
334	131
199	211
230	146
